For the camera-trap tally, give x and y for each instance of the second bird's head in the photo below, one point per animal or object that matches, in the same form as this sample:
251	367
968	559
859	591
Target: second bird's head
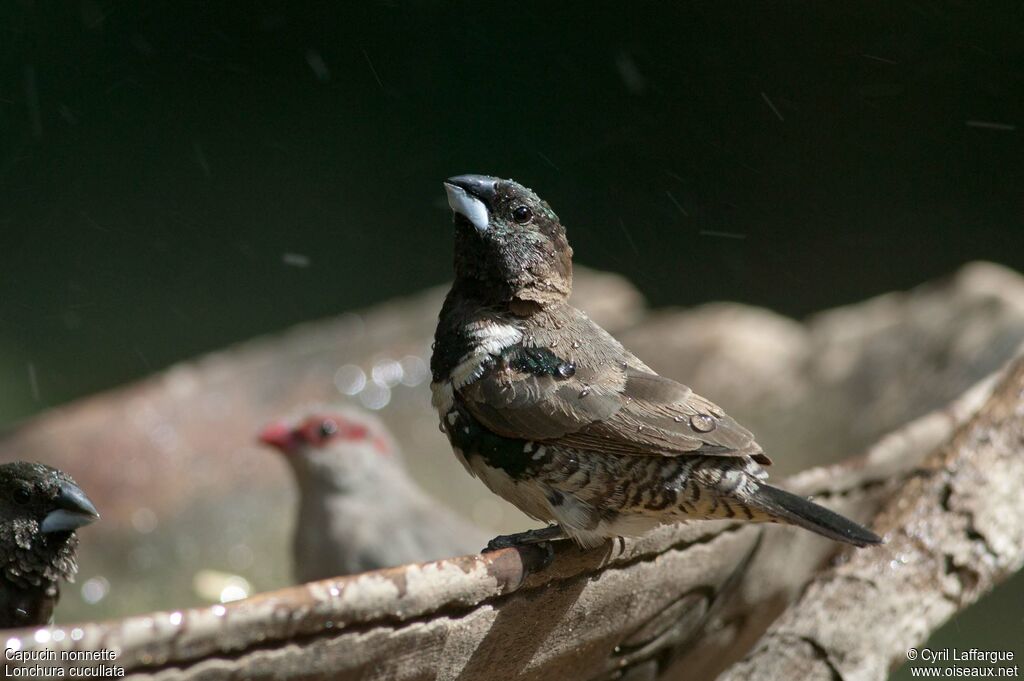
508	241
332	446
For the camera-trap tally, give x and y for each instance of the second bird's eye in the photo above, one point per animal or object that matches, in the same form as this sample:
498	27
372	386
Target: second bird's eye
328	428
22	496
522	214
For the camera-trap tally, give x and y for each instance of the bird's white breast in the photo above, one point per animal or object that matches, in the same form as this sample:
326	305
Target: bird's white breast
489	338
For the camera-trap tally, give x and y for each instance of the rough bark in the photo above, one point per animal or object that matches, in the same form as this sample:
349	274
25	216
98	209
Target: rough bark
856	487
952	532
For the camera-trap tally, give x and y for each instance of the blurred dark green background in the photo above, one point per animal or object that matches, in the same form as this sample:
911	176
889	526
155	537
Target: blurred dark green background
175	176
158	159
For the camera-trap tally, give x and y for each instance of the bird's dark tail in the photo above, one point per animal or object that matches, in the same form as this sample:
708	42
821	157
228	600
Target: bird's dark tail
797	510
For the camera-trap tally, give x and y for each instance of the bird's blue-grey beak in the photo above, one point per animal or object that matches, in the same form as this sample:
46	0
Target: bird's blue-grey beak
73	510
471	196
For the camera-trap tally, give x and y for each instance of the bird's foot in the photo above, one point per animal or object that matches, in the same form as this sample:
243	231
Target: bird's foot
534	546
544	535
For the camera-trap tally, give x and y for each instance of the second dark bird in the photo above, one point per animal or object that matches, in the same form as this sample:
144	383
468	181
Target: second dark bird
40	509
556	416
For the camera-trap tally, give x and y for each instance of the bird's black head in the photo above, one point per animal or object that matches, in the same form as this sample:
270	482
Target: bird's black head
43	500
40	508
508	241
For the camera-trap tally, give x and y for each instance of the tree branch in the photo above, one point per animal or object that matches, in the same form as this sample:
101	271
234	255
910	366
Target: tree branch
952	532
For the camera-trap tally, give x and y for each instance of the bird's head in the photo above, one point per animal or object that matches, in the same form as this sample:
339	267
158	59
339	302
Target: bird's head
508	241
43	499
330	443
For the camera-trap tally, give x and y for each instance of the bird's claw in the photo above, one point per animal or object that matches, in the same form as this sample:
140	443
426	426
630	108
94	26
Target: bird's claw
504	541
547	551
536	555
521	540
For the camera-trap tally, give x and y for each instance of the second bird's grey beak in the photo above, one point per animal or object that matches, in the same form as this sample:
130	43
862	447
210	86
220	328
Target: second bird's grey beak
73	510
470	196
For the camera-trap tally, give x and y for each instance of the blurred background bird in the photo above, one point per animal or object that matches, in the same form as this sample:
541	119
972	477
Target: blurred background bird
358	508
40	509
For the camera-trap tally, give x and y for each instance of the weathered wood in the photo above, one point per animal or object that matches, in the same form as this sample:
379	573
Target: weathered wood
856	488
953	531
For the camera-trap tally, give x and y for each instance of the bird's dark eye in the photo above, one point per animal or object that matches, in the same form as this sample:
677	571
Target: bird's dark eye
22	496
522	214
328	428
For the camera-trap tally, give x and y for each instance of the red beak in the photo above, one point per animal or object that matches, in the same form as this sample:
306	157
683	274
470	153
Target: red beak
278	435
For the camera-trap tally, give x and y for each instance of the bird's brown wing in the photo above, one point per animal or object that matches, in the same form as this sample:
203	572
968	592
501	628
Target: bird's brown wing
608	407
545	406
660	416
